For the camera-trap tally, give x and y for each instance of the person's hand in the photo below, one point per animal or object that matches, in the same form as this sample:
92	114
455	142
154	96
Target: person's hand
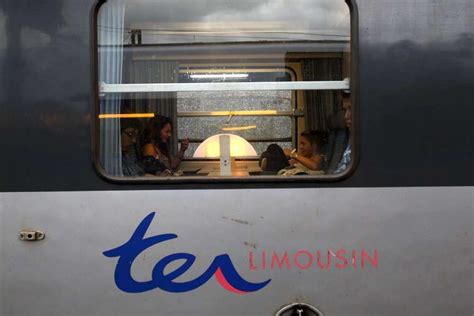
184	145
166	173
287	152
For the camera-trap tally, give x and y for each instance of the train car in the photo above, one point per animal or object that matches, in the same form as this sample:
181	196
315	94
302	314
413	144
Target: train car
299	157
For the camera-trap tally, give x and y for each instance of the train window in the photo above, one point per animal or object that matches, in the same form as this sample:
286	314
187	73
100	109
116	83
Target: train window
225	89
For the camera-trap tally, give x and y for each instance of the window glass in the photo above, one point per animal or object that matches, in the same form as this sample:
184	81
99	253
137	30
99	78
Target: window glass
223	88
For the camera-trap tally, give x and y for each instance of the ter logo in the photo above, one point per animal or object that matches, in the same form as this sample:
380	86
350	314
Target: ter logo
221	267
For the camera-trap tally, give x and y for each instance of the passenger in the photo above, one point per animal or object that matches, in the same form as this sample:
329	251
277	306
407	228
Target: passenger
156	150
273	159
309	157
347	155
129	131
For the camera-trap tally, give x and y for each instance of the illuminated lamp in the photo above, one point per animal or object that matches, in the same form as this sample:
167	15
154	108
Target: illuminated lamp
226	147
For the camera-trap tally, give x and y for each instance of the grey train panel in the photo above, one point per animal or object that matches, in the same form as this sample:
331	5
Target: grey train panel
414	113
423	236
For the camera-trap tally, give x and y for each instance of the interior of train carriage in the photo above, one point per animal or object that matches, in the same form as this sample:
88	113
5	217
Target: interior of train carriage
223	88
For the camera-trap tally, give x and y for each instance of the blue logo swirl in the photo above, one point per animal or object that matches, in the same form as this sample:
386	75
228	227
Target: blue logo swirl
221	267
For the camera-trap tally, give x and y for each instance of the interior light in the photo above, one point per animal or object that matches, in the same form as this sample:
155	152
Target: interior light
243	113
219	76
126	115
239	147
226	147
239	128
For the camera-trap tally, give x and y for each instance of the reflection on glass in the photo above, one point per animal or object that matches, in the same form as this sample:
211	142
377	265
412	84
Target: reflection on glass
189	21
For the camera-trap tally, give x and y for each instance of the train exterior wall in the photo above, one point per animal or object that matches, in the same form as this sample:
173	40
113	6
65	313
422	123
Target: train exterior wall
410	196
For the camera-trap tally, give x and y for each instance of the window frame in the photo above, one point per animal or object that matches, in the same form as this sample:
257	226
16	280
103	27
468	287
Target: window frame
261	179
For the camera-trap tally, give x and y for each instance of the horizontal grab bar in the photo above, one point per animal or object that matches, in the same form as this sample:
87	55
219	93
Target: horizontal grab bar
224	86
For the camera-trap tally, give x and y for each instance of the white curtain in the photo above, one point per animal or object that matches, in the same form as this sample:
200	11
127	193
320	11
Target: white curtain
110	28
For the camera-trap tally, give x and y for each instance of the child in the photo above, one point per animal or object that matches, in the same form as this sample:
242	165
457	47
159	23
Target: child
309	157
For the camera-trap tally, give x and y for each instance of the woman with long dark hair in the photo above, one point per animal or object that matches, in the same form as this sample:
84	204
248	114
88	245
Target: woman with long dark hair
156	151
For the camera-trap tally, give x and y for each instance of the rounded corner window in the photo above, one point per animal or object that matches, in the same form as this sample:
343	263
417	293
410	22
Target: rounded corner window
224	92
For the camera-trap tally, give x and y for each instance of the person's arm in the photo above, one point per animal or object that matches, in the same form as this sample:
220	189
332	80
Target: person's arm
313	163
176	161
179	157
